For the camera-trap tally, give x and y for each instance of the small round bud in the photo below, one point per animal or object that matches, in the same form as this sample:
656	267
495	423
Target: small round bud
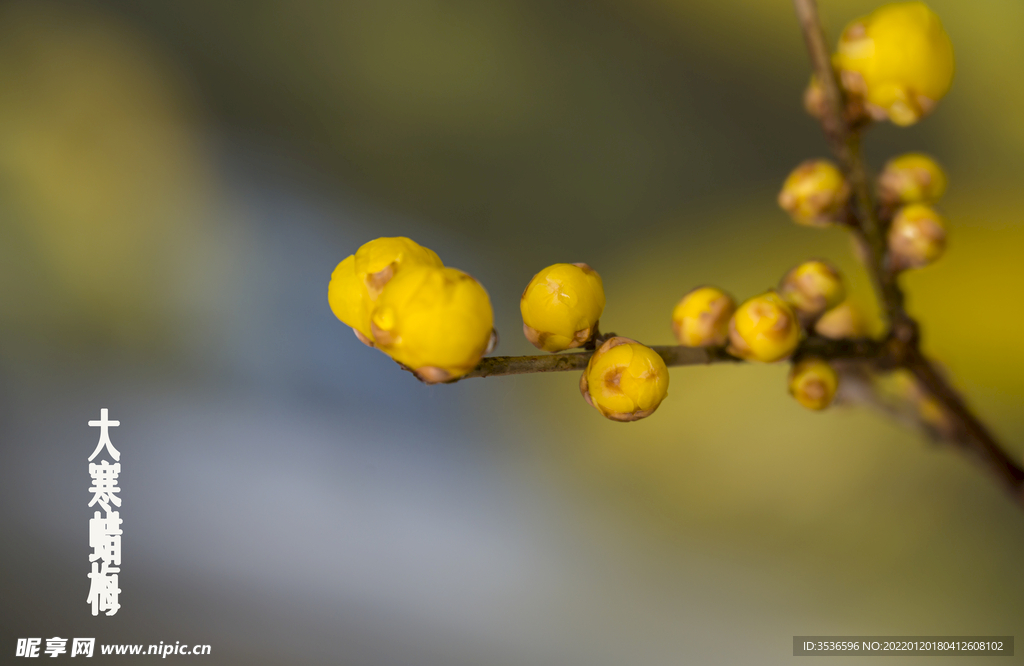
812	288
358	280
898	59
815	193
701	318
815	104
911	178
625	380
917	237
814	98
436	321
561	306
842	321
813	383
764	329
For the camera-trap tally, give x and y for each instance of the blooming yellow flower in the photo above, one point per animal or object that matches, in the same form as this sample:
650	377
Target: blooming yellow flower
813	383
701	318
815	193
561	306
625	380
911	178
917	237
764	329
437	321
812	288
898	59
358	280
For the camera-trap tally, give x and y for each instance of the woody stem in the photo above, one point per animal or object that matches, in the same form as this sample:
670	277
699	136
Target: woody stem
903	342
866	350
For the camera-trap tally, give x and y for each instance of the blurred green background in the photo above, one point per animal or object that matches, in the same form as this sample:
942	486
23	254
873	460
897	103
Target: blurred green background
178	180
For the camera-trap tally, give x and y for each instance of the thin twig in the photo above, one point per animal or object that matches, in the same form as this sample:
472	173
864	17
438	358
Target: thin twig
903	340
970	431
845	143
674	355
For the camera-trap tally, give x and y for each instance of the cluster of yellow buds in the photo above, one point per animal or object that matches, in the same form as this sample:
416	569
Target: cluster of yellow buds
894	64
561	305
398	296
770	326
897	62
816	193
908	187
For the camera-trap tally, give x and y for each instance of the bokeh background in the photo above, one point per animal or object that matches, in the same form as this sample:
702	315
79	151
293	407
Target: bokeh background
177	182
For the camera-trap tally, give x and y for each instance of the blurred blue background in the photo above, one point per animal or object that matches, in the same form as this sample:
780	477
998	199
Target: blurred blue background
179	179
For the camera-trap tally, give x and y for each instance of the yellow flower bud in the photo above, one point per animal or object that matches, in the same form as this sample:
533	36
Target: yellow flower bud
436	321
812	288
899	59
814	103
625	380
701	318
842	321
813	383
911	178
815	193
764	329
359	279
917	237
814	98
561	306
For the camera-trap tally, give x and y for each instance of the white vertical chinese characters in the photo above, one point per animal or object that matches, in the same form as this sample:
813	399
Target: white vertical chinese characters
105	529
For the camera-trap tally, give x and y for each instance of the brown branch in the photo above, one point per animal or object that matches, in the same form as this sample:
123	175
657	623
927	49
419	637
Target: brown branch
903	340
969	430
845	143
674	355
